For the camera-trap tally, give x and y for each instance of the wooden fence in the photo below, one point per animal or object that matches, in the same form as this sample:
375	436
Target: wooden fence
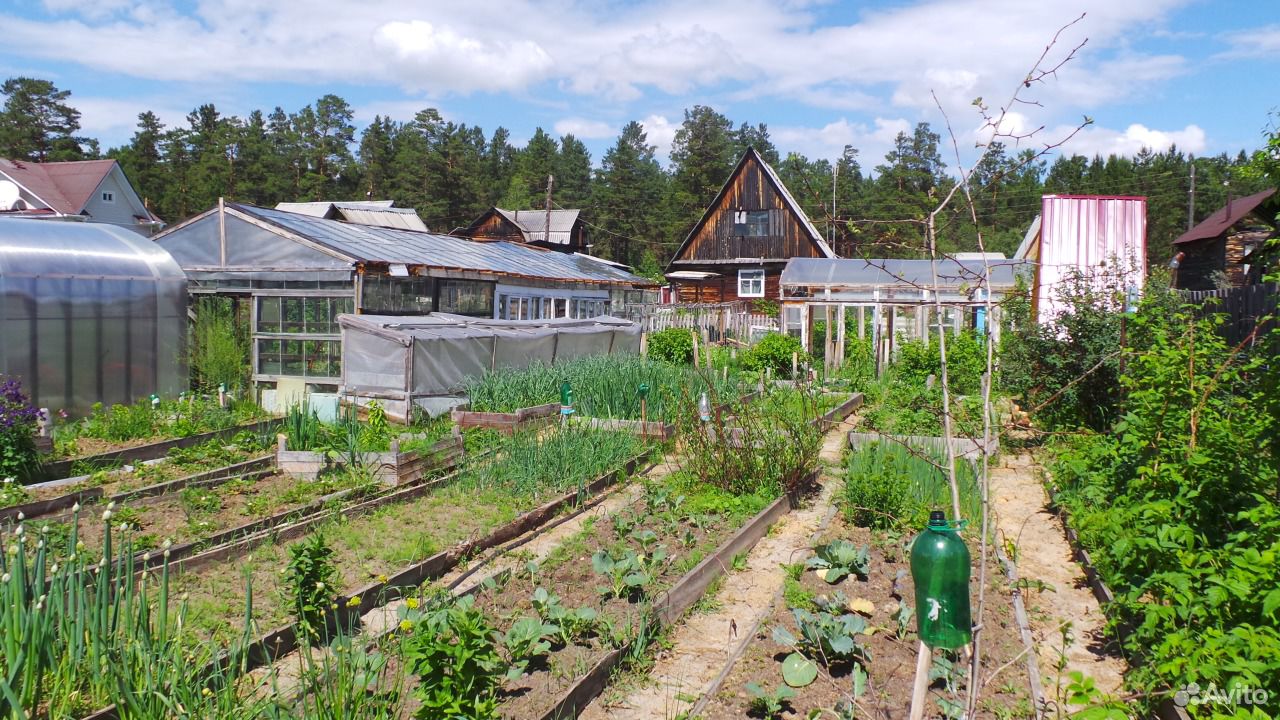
713	322
1246	308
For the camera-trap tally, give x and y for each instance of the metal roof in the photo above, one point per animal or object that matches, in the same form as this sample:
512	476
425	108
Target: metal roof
367	244
378	213
872	273
65	186
533	223
1226	216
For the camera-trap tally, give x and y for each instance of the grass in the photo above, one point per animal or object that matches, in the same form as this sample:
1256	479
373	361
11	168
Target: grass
889	486
603	387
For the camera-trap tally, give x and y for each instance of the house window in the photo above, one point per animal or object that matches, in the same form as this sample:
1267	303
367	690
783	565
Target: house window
751	283
108	197
751	223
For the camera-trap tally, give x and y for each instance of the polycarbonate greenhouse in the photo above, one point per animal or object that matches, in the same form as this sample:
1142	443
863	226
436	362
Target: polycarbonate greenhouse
91	313
425	361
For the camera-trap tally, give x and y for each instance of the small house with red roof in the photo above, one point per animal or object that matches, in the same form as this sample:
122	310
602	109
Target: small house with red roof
1219	252
83	190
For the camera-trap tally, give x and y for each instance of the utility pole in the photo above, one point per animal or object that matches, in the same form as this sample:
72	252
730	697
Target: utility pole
831	226
1191	196
547	237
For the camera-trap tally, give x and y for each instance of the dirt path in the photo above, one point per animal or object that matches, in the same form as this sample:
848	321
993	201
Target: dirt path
1019	502
704	642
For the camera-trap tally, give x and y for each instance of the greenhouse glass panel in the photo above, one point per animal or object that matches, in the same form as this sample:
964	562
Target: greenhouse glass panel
91	313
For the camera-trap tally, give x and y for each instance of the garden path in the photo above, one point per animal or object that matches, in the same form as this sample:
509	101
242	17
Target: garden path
704	641
1043	555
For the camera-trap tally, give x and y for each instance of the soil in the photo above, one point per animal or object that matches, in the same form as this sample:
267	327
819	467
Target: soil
1044	556
366	548
567	572
892	667
704	641
141	475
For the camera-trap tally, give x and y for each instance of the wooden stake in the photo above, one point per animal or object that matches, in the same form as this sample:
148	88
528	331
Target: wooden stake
919	691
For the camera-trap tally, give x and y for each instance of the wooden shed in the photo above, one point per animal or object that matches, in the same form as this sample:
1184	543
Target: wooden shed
1217	250
747	235
567	229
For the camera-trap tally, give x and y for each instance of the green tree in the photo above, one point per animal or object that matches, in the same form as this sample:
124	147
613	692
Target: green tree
702	156
143	161
377	150
908	186
37	124
533	164
755	136
629	192
573	173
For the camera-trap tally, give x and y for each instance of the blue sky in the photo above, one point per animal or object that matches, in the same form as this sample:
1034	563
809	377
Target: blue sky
1200	74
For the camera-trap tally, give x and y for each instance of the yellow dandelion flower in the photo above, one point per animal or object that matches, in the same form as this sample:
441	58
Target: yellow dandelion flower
412	603
406	625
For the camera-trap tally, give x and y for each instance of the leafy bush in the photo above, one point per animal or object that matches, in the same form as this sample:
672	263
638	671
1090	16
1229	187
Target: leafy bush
966	362
219	354
745	450
18	423
311	581
458	667
775	351
674	345
1179	506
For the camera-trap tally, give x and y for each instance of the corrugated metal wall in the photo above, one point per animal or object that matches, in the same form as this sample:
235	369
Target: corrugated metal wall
1095	235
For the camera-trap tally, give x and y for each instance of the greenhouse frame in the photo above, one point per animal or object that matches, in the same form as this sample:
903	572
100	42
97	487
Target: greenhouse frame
292	275
92	313
894	300
404	362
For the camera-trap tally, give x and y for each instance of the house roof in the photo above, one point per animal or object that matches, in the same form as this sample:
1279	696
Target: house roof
533	224
1225	217
378	213
369	244
64	186
790	201
858	273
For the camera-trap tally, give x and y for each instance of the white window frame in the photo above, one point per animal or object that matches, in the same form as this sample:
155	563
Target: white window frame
750	277
109	197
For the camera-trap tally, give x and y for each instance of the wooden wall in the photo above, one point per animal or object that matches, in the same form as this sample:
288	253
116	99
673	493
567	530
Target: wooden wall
725	288
750	189
496	227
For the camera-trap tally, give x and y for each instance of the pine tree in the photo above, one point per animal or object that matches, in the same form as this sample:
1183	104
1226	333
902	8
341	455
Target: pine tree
757	136
37	124
573	174
629	192
702	156
533	164
142	160
377	149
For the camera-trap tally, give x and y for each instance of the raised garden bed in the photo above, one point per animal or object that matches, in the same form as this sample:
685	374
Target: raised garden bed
887	645
389	468
968	448
149	451
507	423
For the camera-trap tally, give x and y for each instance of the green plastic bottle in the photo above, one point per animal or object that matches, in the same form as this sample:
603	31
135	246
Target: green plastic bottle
940	571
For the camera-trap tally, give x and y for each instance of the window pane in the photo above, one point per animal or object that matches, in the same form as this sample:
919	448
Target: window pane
293	314
291	360
269	314
269	357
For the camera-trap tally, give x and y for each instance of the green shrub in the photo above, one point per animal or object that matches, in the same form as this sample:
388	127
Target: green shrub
966	361
674	345
219	354
775	351
311	581
18	422
459	669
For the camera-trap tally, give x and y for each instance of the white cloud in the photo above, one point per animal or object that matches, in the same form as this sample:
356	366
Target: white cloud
1106	141
660	132
113	120
582	128
398	110
441	58
1257	42
828	141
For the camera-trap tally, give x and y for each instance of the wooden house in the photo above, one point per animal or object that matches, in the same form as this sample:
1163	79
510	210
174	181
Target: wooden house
747	235
1217	250
567	229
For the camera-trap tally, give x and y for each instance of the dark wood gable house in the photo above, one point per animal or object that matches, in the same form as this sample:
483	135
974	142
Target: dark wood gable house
568	231
739	247
1218	250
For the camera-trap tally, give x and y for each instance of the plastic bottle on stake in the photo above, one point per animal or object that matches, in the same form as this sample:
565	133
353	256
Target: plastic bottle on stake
704	407
940	571
566	398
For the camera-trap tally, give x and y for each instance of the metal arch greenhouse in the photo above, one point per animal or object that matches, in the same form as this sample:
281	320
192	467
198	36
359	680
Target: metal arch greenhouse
91	313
